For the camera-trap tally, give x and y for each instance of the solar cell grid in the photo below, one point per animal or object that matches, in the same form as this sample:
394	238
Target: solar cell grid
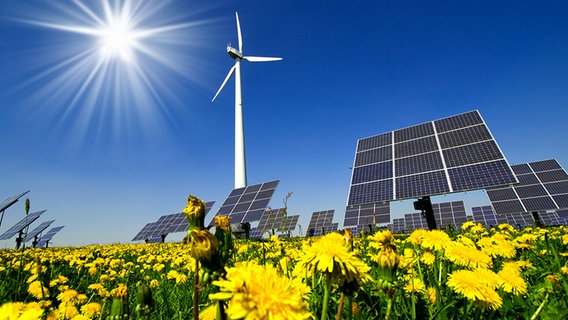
48	236
320	223
472	160
249	203
367	214
38	230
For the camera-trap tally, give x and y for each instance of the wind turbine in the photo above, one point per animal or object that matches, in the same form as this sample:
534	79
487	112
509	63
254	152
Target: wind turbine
240	164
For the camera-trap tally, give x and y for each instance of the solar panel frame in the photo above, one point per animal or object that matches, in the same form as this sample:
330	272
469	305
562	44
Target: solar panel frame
543	185
20	225
452	154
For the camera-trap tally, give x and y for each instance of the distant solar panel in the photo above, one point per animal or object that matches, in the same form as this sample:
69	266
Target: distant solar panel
21	225
450	214
38	230
398	225
367	214
320	223
543	185
550	218
520	220
11	200
289	223
453	154
485	216
48	236
413	221
249	203
272	219
171	223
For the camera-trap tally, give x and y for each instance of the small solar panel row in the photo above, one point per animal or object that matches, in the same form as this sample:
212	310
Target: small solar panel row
38	230
21	225
11	200
48	236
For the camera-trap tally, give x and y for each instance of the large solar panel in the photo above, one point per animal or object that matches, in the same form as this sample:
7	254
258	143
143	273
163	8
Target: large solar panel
453	154
19	226
11	200
171	223
248	204
48	236
367	214
543	185
320	223
37	230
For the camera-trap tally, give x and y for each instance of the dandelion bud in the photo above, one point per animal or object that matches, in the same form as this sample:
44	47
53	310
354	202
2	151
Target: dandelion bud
119	308
195	212
144	302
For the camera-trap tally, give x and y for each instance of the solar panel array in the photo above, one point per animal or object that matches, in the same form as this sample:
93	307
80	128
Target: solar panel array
449	214
320	223
398	225
272	219
11	200
551	218
367	214
453	154
487	217
413	221
39	229
171	223
543	185
248	204
48	236
19	226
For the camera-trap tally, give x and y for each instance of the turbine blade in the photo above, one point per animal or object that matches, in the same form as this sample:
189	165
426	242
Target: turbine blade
239	33
261	59
225	82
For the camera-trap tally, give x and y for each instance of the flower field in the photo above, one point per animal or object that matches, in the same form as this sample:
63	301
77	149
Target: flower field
501	273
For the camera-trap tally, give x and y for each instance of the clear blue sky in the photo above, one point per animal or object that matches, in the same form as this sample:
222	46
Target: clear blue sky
106	151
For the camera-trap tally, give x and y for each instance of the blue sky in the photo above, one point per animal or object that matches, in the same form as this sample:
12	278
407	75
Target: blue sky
106	153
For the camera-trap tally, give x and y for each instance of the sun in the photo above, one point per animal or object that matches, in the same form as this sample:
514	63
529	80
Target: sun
111	65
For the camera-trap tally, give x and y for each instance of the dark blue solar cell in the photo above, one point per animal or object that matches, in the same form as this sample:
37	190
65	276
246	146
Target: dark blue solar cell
473	153
557	187
552	176
481	175
380	140
241	207
561	200
378	171
504	207
417	164
266	194
269	185
231	200
414	132
253	215
421	185
531	191
464	136
521	168
500	194
545	165
247	197
259	204
373	156
527	179
225	210
458	121
237	192
417	146
376	191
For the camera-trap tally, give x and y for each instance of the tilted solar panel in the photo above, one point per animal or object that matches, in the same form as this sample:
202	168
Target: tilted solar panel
48	236
11	200
320	223
38	230
21	225
249	203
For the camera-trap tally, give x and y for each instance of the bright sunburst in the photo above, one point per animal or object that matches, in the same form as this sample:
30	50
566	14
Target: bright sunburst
112	63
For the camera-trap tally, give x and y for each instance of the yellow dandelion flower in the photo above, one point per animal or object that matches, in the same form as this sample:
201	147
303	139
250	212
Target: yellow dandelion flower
472	286
428	258
330	255
380	238
564	270
497	246
154	283
565	239
91	309
92	271
414	284
431	295
416	236
67	295
505	227
467	256
37	290
478	229
467	225
67	310
80	317
209	313
19	310
435	240
119	292
512	282
222	223
258	292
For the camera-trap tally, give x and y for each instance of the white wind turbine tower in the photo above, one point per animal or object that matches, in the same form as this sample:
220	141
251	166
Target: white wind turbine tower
240	164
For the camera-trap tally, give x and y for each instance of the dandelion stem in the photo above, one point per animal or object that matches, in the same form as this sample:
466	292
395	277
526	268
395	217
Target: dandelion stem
389	308
540	307
340	308
349	307
195	291
326	290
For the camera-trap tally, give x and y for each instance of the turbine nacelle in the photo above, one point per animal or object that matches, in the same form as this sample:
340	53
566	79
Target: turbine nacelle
234	53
